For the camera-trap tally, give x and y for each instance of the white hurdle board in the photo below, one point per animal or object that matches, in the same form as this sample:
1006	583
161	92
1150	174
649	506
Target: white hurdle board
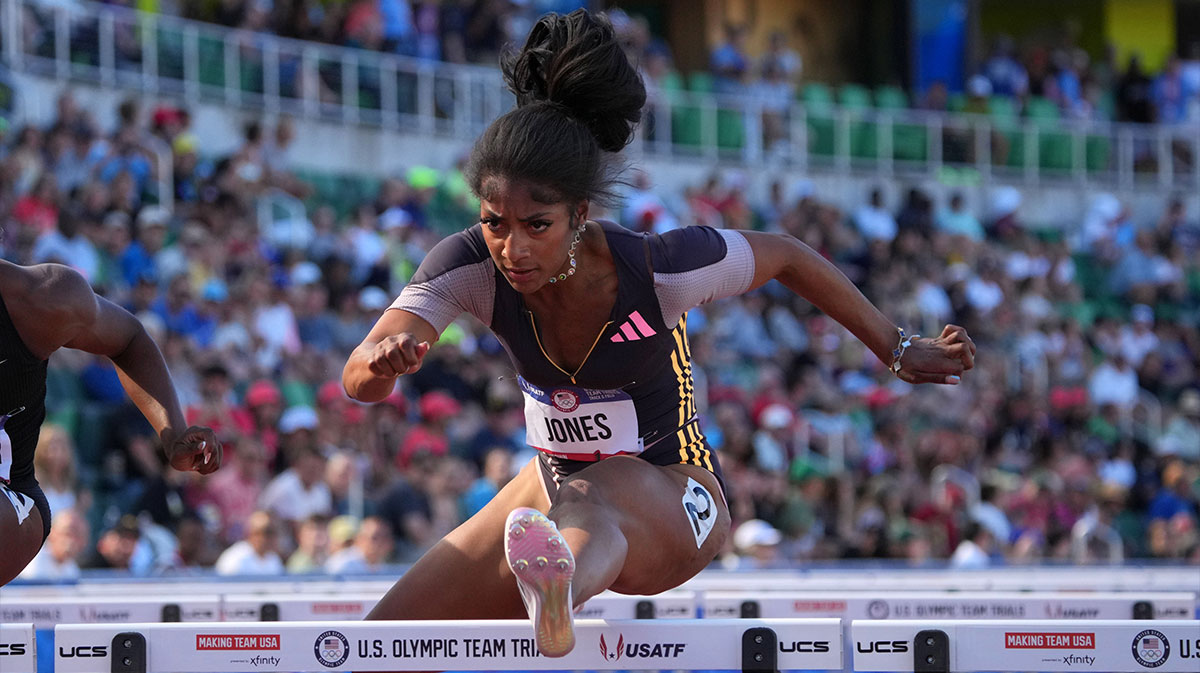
1025	578
1133	646
355	606
18	648
879	604
47	612
317	647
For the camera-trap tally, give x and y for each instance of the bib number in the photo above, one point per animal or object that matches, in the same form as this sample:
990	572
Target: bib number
701	511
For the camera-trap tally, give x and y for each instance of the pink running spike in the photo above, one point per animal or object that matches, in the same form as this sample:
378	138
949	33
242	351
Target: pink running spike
543	571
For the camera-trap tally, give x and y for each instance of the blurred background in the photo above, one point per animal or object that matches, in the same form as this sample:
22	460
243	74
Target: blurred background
256	181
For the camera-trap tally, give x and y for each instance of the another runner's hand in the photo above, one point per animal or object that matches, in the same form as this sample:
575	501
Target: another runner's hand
397	355
197	449
939	360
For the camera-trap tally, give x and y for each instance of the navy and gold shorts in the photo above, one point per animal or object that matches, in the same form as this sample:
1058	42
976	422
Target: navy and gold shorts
555	470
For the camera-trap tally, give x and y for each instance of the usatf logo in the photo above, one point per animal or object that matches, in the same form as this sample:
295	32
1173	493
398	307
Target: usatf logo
331	649
564	400
640	650
1151	648
615	655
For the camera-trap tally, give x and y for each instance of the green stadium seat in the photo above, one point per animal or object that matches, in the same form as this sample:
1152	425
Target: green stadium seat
891	98
1098	153
170	53
685	125
910	142
1006	122
817	99
854	96
700	81
1054	147
731	129
816	94
212	62
671	81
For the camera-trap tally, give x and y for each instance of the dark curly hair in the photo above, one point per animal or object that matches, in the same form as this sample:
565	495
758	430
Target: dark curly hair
578	101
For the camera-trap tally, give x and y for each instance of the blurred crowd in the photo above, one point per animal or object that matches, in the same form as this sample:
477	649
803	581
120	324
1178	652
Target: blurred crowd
454	31
1077	436
1081	85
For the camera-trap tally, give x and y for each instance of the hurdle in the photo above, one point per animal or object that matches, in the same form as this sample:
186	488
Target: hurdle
316	607
754	646
45	613
18	649
881	604
48	612
1170	646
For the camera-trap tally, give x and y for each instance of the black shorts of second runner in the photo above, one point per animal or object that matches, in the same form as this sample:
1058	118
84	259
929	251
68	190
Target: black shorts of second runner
554	470
29	488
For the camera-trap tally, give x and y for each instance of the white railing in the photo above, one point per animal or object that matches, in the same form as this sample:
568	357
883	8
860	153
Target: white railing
198	62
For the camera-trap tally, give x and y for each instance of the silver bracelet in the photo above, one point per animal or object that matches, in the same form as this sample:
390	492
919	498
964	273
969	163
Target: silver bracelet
898	351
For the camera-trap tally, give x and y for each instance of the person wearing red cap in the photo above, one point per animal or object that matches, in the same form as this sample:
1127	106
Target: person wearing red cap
44	308
265	402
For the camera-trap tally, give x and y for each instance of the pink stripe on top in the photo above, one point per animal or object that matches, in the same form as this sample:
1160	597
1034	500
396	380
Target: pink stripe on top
640	323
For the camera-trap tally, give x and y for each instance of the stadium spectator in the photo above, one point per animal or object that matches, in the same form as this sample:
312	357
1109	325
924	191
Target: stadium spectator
873	219
497	471
236	491
300	490
55	463
197	547
729	62
372	549
257	553
312	545
1004	72
59	556
756	546
116	547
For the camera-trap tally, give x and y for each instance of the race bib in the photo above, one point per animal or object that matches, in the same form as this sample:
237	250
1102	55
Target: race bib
701	510
580	423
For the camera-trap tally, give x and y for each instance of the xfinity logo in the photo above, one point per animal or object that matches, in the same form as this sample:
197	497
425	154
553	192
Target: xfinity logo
263	661
882	646
83	651
1073	659
12	649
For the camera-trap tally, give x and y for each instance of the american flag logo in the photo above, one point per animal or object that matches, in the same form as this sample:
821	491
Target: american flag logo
1151	649
332	649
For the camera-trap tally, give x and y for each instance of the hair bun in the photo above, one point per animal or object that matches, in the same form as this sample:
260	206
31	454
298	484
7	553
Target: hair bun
574	63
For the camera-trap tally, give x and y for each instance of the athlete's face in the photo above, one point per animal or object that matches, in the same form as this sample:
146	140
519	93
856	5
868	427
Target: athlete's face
527	237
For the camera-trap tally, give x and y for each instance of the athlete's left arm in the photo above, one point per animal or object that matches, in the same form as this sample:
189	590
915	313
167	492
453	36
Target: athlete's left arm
101	327
808	274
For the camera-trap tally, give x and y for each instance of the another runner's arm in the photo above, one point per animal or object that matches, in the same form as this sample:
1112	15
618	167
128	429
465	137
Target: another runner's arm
94	324
808	274
395	346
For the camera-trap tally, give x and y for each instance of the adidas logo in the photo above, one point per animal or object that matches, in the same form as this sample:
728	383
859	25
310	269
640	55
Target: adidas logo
634	328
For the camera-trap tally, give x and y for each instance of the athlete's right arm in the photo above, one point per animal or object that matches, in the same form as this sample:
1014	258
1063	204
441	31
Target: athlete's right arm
395	346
